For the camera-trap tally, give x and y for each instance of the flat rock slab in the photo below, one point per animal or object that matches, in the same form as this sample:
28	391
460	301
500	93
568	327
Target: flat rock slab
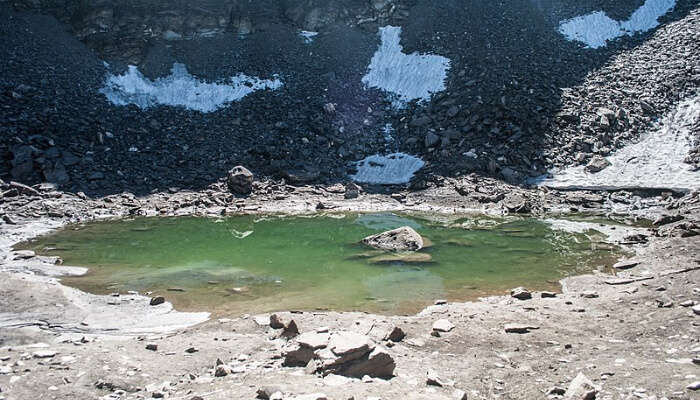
626	264
443	325
519	328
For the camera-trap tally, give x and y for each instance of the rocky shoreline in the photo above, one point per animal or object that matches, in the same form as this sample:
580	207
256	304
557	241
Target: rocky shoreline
628	334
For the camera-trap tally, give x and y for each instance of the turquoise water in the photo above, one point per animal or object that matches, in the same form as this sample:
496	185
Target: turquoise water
251	264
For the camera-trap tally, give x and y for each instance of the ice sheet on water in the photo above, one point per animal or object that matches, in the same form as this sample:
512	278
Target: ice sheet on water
181	89
407	76
596	29
391	169
655	162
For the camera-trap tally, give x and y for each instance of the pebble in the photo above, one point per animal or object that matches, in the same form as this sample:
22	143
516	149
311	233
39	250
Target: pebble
151	346
44	354
521	293
694	386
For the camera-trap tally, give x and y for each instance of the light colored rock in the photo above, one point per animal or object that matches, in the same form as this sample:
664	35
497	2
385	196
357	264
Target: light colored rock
45	354
590	294
395	334
313	340
344	344
443	325
401	239
581	388
694	386
696	309
459	395
222	370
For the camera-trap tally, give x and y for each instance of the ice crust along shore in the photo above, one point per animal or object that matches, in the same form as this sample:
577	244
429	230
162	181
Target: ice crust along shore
407	76
181	89
596	29
655	162
391	169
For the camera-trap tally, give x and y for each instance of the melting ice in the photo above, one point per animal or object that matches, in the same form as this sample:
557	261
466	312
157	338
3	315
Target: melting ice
408	76
656	161
181	89
392	169
596	28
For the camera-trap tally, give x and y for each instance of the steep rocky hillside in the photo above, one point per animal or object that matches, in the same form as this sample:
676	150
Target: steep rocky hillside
519	96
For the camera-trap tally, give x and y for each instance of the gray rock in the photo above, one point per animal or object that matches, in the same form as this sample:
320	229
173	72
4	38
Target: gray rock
313	340
431	140
443	325
401	239
519	328
581	388
352	191
222	370
626	264
152	346
433	379
240	180
597	164
266	392
694	386
297	355
379	364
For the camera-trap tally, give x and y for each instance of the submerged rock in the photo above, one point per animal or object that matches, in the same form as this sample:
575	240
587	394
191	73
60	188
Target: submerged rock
408	258
401	239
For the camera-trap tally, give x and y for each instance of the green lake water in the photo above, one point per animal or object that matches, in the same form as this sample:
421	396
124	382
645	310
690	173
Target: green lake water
251	264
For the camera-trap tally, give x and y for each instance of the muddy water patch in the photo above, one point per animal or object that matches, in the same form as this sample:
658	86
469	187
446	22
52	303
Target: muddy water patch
250	264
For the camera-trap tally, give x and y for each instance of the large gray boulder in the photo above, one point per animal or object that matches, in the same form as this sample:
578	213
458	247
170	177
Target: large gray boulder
401	239
240	180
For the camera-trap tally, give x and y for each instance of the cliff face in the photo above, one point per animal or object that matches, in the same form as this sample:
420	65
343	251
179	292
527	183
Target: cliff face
121	29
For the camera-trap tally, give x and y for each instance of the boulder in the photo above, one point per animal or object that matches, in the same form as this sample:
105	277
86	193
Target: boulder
597	164
401	239
395	334
240	180
379	364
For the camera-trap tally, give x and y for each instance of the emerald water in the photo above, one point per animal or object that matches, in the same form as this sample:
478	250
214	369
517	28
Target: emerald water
252	264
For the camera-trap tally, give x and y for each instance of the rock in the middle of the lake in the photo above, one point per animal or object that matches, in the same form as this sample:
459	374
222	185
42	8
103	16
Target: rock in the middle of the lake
401	239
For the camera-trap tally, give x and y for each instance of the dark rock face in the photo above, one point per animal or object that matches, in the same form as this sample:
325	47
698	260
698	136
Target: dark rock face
519	100
401	239
240	180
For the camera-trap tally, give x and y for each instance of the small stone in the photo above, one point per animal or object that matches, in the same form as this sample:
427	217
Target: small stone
158	300
696	309
440	302
521	293
459	395
45	354
597	164
694	386
433	379
395	334
687	303
191	350
519	328
443	325
626	264
589	294
152	346
548	295
222	370
266	392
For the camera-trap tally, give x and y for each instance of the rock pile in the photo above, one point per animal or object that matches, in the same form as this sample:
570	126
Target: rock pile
342	353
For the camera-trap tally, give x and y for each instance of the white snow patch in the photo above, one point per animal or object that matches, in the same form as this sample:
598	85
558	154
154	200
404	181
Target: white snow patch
408	76
308	36
392	169
614	233
596	28
181	89
655	162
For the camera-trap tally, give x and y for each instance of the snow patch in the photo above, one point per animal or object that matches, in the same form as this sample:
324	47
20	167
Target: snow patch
596	28
181	89
614	233
407	76
308	36
392	169
655	162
